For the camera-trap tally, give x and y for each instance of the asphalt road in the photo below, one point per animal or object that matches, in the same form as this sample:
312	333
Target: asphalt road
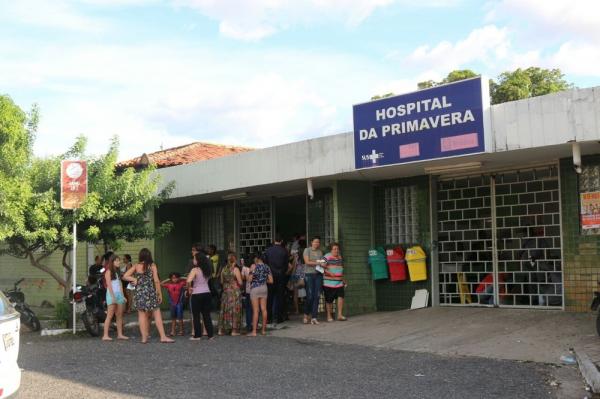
263	367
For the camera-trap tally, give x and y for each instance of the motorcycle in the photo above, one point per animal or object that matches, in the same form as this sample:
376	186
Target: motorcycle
595	306
17	298
90	304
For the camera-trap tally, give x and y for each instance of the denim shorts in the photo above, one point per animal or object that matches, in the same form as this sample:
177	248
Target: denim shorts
177	311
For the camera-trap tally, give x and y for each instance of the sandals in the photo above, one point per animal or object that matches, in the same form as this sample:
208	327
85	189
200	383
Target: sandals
305	320
314	322
342	318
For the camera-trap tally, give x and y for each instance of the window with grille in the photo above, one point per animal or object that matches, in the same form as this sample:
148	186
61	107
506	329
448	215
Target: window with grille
212	227
401	215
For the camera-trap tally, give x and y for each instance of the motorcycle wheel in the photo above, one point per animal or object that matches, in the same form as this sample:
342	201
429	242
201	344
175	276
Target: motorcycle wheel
31	321
91	323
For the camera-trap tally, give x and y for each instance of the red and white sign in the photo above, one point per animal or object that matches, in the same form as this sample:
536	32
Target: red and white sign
73	184
590	210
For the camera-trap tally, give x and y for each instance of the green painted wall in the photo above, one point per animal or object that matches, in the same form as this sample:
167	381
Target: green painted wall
398	295
38	285
172	252
353	209
581	253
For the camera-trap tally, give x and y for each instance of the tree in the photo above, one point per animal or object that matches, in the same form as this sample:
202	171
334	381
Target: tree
525	83
17	130
459	74
115	209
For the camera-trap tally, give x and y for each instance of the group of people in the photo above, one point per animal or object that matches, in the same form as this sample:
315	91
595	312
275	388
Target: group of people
260	284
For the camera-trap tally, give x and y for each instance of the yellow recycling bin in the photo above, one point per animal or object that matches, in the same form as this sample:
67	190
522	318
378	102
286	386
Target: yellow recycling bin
417	268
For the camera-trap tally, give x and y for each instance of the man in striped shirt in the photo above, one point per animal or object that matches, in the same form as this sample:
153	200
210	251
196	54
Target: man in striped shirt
334	282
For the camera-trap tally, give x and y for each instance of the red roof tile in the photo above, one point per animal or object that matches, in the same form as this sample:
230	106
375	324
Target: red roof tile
184	154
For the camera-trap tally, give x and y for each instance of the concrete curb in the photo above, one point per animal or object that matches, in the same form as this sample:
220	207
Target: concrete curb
588	370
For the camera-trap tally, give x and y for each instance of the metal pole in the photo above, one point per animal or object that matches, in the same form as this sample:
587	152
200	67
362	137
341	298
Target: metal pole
74	273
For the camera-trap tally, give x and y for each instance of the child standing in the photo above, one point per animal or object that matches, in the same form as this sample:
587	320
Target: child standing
115	300
175	285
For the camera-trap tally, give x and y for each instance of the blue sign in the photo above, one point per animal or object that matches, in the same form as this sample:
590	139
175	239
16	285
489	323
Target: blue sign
440	122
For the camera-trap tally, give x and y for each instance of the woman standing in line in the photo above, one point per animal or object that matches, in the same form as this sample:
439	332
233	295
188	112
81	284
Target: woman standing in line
230	316
260	276
334	283
200	297
313	280
148	295
115	301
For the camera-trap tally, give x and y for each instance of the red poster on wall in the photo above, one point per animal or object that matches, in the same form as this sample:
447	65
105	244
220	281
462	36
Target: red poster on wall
73	184
590	210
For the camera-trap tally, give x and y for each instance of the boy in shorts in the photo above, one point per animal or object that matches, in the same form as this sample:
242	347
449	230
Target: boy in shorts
175	285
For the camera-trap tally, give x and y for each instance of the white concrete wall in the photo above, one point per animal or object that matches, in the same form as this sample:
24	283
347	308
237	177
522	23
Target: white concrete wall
547	120
310	158
536	122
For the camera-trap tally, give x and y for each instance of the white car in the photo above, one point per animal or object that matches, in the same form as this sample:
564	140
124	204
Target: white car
10	373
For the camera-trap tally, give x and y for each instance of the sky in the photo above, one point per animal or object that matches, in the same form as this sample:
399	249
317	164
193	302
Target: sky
163	73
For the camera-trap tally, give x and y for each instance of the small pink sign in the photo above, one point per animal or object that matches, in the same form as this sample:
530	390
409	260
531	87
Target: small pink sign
461	142
409	150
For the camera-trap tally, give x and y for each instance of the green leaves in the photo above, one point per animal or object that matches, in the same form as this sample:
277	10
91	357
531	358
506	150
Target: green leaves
512	85
525	83
31	219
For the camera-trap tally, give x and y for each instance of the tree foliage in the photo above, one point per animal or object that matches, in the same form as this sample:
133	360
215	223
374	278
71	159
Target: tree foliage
525	83
512	85
116	208
17	130
453	76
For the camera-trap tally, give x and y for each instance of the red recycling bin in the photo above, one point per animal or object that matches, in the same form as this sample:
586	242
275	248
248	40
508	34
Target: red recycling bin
396	264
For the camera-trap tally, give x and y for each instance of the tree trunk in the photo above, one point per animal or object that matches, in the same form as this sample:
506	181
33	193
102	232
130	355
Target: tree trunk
69	273
36	262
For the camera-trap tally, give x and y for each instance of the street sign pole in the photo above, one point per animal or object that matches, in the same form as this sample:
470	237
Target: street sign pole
74	272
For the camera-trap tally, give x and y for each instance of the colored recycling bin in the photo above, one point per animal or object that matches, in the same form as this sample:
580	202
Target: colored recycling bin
396	264
377	261
417	266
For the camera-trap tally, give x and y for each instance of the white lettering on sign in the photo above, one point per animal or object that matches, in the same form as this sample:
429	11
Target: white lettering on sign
429	104
418	125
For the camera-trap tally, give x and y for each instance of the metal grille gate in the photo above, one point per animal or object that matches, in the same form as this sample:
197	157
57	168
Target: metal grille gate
519	210
255	229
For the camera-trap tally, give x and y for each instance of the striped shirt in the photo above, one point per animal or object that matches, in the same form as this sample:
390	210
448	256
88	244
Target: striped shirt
335	269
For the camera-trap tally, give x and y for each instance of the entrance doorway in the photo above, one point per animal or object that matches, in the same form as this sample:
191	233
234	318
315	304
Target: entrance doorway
290	217
499	239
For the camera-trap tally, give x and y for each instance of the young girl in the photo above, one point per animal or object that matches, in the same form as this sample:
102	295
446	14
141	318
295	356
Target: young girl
175	285
230	317
260	276
115	301
148	295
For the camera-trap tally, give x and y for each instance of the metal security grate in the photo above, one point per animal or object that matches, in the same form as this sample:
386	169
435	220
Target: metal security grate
212	227
527	232
528	238
464	239
255	227
401	215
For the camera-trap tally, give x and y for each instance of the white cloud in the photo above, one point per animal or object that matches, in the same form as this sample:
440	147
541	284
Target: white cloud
486	45
56	14
577	59
169	94
556	18
253	20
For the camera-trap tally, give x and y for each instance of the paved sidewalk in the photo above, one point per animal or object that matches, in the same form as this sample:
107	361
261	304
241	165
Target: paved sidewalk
514	334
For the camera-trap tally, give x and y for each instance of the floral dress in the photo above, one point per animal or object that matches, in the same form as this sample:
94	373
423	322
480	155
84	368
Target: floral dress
231	302
145	292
